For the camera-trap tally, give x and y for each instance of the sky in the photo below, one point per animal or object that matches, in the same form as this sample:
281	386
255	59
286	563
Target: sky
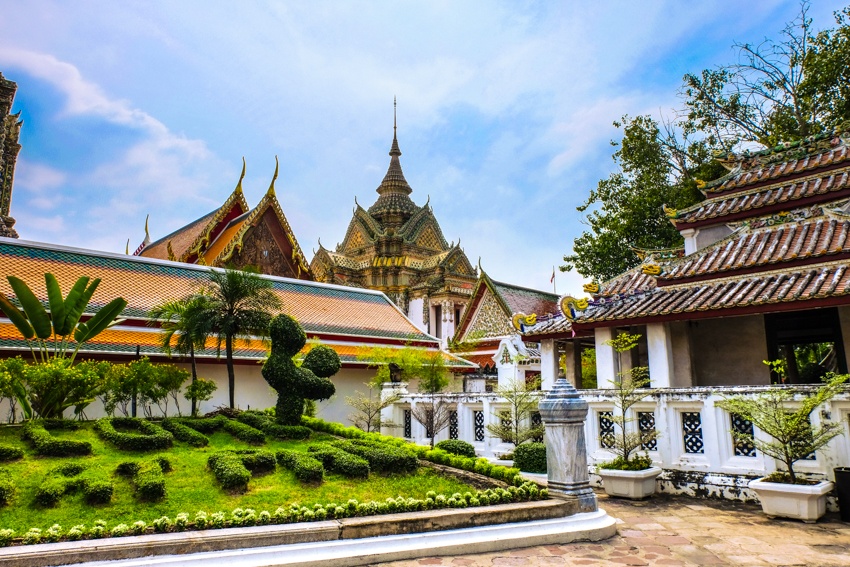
505	110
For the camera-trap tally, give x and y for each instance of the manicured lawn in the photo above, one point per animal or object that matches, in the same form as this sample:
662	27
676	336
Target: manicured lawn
191	486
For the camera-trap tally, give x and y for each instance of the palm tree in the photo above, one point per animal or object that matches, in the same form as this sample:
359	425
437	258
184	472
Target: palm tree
239	305
184	318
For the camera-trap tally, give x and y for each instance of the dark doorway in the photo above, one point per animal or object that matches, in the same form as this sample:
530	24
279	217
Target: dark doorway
809	343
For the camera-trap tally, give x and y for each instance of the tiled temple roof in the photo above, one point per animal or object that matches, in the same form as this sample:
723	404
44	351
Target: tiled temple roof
320	308
767	242
822	187
525	300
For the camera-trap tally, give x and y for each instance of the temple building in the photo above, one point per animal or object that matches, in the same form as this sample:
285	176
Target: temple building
489	334
235	235
10	131
397	247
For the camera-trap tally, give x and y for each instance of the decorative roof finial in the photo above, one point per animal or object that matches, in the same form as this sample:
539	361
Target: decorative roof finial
276	167
241	177
394	150
147	234
127	248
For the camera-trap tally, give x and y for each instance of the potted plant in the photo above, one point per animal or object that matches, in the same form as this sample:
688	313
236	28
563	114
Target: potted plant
792	437
629	474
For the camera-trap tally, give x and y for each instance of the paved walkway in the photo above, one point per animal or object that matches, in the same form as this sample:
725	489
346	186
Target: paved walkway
668	530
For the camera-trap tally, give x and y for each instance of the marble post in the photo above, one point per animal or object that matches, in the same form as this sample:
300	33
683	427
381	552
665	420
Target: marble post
564	412
391	414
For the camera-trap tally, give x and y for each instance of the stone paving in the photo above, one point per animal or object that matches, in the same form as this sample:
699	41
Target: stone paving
670	530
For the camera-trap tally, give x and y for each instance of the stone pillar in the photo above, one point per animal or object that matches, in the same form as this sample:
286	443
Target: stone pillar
572	359
607	359
548	363
390	414
660	350
564	412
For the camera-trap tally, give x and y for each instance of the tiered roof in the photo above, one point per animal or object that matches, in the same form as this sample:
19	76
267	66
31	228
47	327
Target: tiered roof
789	250
341	317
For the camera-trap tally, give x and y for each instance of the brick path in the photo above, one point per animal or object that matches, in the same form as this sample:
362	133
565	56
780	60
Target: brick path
668	530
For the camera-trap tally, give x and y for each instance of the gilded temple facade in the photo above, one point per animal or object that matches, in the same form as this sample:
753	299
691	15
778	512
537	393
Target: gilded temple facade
236	235
397	247
10	131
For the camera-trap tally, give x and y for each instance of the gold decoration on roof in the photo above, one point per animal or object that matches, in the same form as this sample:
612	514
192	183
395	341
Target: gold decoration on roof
651	269
171	255
569	305
670	212
520	320
591	287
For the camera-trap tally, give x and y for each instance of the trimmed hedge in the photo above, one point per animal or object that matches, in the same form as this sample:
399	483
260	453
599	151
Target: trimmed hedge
151	437
7	487
10	453
71	477
150	480
530	457
306	468
229	470
339	461
244	432
258	461
382	457
48	446
205	424
457	447
265	423
184	433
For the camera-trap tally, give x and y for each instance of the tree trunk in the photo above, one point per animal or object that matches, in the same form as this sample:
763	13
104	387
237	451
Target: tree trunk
231	378
194	377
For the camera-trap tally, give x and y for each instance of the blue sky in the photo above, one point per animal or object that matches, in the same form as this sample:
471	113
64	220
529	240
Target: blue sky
504	110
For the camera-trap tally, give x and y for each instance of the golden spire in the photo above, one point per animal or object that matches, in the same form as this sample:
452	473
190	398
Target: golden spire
276	167
147	234
241	177
127	247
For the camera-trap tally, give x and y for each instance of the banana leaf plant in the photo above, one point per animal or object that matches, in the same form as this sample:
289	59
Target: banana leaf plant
52	335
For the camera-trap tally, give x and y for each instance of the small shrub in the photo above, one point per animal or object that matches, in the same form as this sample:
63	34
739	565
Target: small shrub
162	525
150	481
530	457
10	453
6	537
98	491
185	433
457	447
229	470
128	469
7	487
151	437
98	530
48	446
258	461
244	432
71	477
381	457
306	468
181	522
76	533
339	461
33	536
205	424
138	527
120	530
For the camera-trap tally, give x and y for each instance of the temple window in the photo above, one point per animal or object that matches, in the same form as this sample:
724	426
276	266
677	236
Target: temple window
808	342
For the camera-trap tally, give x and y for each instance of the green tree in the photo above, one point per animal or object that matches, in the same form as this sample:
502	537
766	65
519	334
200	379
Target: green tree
239	304
184	318
51	334
656	168
368	407
777	90
200	390
514	424
414	364
792	435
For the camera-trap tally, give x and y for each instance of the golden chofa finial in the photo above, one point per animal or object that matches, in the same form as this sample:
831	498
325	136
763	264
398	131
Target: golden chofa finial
127	248
241	177
271	186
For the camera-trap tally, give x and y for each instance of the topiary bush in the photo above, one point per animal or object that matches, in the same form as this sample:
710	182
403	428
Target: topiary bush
151	437
10	453
265	423
150	480
244	432
71	477
7	487
229	470
530	457
381	457
339	461
457	447
292	383
306	468
205	424
48	446
258	461
184	433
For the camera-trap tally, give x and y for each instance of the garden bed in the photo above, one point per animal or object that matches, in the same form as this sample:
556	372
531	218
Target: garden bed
195	499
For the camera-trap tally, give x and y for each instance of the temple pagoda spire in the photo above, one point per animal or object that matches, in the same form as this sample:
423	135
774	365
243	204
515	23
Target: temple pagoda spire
394	191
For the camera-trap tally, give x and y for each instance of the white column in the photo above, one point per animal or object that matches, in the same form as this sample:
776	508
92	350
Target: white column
548	363
488	439
607	359
660	351
392	414
507	373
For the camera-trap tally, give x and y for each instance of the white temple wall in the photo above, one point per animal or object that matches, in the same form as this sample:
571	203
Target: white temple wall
729	351
683	371
414	313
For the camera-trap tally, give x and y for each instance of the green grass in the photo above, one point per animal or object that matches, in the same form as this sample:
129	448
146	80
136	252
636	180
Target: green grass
191	486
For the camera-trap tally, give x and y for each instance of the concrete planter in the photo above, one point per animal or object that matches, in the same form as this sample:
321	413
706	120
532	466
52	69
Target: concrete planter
629	484
798	501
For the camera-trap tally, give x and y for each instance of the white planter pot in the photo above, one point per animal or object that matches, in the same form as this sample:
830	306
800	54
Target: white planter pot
798	501
629	484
